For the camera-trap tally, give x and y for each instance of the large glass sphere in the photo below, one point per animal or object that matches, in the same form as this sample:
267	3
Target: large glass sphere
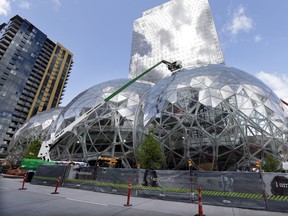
107	131
220	117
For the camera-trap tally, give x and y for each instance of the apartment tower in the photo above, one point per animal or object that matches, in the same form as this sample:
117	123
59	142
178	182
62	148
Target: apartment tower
33	75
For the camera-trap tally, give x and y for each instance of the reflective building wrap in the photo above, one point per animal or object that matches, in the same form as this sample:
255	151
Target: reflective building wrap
33	75
177	30
220	117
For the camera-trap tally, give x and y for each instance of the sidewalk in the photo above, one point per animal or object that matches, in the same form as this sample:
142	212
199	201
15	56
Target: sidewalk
93	203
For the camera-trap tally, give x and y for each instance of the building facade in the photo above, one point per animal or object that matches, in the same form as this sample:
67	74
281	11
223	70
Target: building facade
33	74
177	30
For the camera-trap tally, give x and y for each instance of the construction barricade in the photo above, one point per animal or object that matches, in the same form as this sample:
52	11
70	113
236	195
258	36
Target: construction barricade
252	190
233	189
48	174
276	189
164	184
101	179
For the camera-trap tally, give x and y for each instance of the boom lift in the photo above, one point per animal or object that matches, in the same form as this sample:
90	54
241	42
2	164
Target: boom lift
46	145
284	102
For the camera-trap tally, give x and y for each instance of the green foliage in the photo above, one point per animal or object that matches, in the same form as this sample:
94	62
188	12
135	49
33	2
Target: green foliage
271	164
32	150
150	154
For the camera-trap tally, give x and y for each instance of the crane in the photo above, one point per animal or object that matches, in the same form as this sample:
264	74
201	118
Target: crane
46	145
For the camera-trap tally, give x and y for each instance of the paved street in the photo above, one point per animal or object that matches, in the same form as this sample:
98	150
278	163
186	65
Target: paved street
38	201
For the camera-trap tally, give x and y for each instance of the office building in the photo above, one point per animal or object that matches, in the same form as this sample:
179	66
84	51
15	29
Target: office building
33	74
177	30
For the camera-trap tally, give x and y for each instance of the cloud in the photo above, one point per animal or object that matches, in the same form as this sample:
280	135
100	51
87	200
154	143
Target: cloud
24	5
144	46
181	16
56	4
240	22
258	38
5	7
277	82
166	39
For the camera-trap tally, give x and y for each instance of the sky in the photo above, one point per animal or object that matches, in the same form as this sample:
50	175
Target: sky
253	36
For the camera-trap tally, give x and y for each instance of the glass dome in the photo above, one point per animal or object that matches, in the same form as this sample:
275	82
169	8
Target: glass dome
107	131
220	117
35	128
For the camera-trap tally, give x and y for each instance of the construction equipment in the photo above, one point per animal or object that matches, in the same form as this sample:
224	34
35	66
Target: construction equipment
108	162
47	145
284	102
33	164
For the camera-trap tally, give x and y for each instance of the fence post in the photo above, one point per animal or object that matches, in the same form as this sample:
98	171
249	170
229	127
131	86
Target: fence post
65	175
192	194
138	181
258	165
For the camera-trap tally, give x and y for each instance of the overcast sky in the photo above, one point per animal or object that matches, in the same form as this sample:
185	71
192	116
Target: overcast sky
253	36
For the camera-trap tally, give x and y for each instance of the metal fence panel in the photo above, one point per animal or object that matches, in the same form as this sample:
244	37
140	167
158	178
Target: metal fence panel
211	185
276	188
48	174
81	178
107	180
243	190
115	180
165	184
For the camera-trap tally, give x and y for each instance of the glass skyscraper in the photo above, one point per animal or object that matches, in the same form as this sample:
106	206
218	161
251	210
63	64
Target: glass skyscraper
177	30
33	74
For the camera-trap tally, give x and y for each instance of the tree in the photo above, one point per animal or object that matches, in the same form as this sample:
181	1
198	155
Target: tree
271	164
150	154
32	150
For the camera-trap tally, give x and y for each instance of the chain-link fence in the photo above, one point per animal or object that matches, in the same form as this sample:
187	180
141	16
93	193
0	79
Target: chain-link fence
48	174
234	189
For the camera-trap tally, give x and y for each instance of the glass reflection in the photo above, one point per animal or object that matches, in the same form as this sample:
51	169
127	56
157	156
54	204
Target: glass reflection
220	119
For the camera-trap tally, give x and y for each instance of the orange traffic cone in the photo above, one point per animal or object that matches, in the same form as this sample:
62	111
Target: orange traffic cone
200	208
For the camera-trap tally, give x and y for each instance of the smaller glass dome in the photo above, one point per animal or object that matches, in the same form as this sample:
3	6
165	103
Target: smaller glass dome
35	128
